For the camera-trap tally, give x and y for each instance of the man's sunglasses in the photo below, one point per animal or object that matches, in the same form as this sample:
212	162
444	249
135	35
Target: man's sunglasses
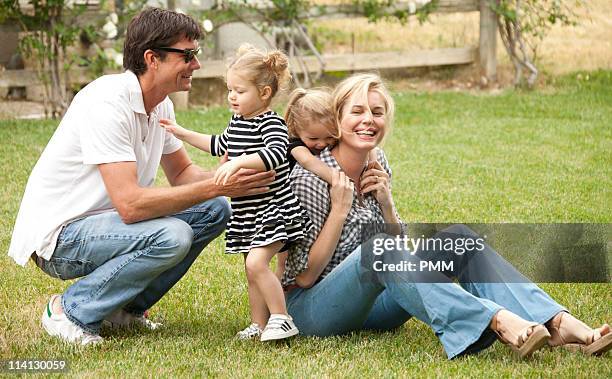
188	54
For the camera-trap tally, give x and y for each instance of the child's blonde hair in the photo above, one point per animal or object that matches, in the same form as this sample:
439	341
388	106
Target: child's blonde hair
307	106
358	86
262	68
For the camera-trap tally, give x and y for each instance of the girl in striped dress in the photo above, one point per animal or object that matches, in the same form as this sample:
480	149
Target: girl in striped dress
261	225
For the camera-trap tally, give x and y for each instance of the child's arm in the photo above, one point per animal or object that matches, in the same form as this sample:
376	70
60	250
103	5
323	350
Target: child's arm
195	139
311	163
274	134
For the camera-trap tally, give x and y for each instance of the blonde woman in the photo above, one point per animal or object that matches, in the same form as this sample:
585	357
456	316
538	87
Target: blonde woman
330	289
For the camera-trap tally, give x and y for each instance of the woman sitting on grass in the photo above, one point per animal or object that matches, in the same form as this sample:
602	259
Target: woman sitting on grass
332	289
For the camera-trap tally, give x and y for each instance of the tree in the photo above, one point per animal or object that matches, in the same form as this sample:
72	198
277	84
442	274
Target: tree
51	27
523	24
287	20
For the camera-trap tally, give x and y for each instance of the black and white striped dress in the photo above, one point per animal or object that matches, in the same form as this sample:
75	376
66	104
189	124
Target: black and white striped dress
276	215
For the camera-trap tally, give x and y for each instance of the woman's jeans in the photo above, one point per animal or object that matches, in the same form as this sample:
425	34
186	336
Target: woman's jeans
354	297
129	266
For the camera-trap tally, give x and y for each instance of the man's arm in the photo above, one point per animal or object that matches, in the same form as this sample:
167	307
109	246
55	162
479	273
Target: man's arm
191	186
179	168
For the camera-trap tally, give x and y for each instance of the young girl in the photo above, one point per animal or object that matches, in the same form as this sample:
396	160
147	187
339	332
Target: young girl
261	225
312	127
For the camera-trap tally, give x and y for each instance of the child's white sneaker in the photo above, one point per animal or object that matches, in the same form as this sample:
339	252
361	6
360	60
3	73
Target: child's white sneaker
279	326
250	332
58	325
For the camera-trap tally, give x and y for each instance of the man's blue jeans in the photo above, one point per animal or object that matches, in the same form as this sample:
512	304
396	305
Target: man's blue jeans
129	266
352	298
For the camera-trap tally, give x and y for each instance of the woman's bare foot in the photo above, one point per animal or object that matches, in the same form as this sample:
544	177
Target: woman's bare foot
524	337
566	330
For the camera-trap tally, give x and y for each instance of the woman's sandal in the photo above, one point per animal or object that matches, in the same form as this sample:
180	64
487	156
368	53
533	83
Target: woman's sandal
530	339
595	343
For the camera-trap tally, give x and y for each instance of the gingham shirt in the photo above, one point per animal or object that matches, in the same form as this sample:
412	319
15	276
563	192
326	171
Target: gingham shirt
313	193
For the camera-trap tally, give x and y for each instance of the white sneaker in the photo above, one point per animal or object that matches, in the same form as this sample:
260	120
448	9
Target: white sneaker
120	319
250	332
60	326
279	326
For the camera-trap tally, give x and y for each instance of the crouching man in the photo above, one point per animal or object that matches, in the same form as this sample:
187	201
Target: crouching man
90	209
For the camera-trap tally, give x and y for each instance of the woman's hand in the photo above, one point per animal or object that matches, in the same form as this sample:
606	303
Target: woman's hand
376	180
341	193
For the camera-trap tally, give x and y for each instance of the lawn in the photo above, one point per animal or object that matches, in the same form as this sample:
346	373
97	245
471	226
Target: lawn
457	157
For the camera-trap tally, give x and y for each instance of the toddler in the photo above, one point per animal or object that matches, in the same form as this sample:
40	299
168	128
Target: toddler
265	224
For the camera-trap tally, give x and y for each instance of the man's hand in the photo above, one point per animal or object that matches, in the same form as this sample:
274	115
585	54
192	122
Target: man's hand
247	182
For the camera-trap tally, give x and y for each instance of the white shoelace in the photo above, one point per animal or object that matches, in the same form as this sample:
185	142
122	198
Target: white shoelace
250	331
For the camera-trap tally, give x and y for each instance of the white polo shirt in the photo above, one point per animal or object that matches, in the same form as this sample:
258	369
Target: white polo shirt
105	123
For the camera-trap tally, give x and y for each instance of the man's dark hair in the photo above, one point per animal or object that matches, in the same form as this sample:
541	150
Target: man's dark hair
155	27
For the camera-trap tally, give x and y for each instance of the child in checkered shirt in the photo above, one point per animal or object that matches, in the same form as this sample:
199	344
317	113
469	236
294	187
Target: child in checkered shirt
312	127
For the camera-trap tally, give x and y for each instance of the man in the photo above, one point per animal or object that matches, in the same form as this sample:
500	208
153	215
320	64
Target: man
89	208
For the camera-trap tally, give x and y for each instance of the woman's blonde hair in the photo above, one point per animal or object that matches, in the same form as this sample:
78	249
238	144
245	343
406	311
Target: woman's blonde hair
307	106
262	68
357	87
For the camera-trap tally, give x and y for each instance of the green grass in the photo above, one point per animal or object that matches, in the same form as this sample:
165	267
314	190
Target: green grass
457	157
